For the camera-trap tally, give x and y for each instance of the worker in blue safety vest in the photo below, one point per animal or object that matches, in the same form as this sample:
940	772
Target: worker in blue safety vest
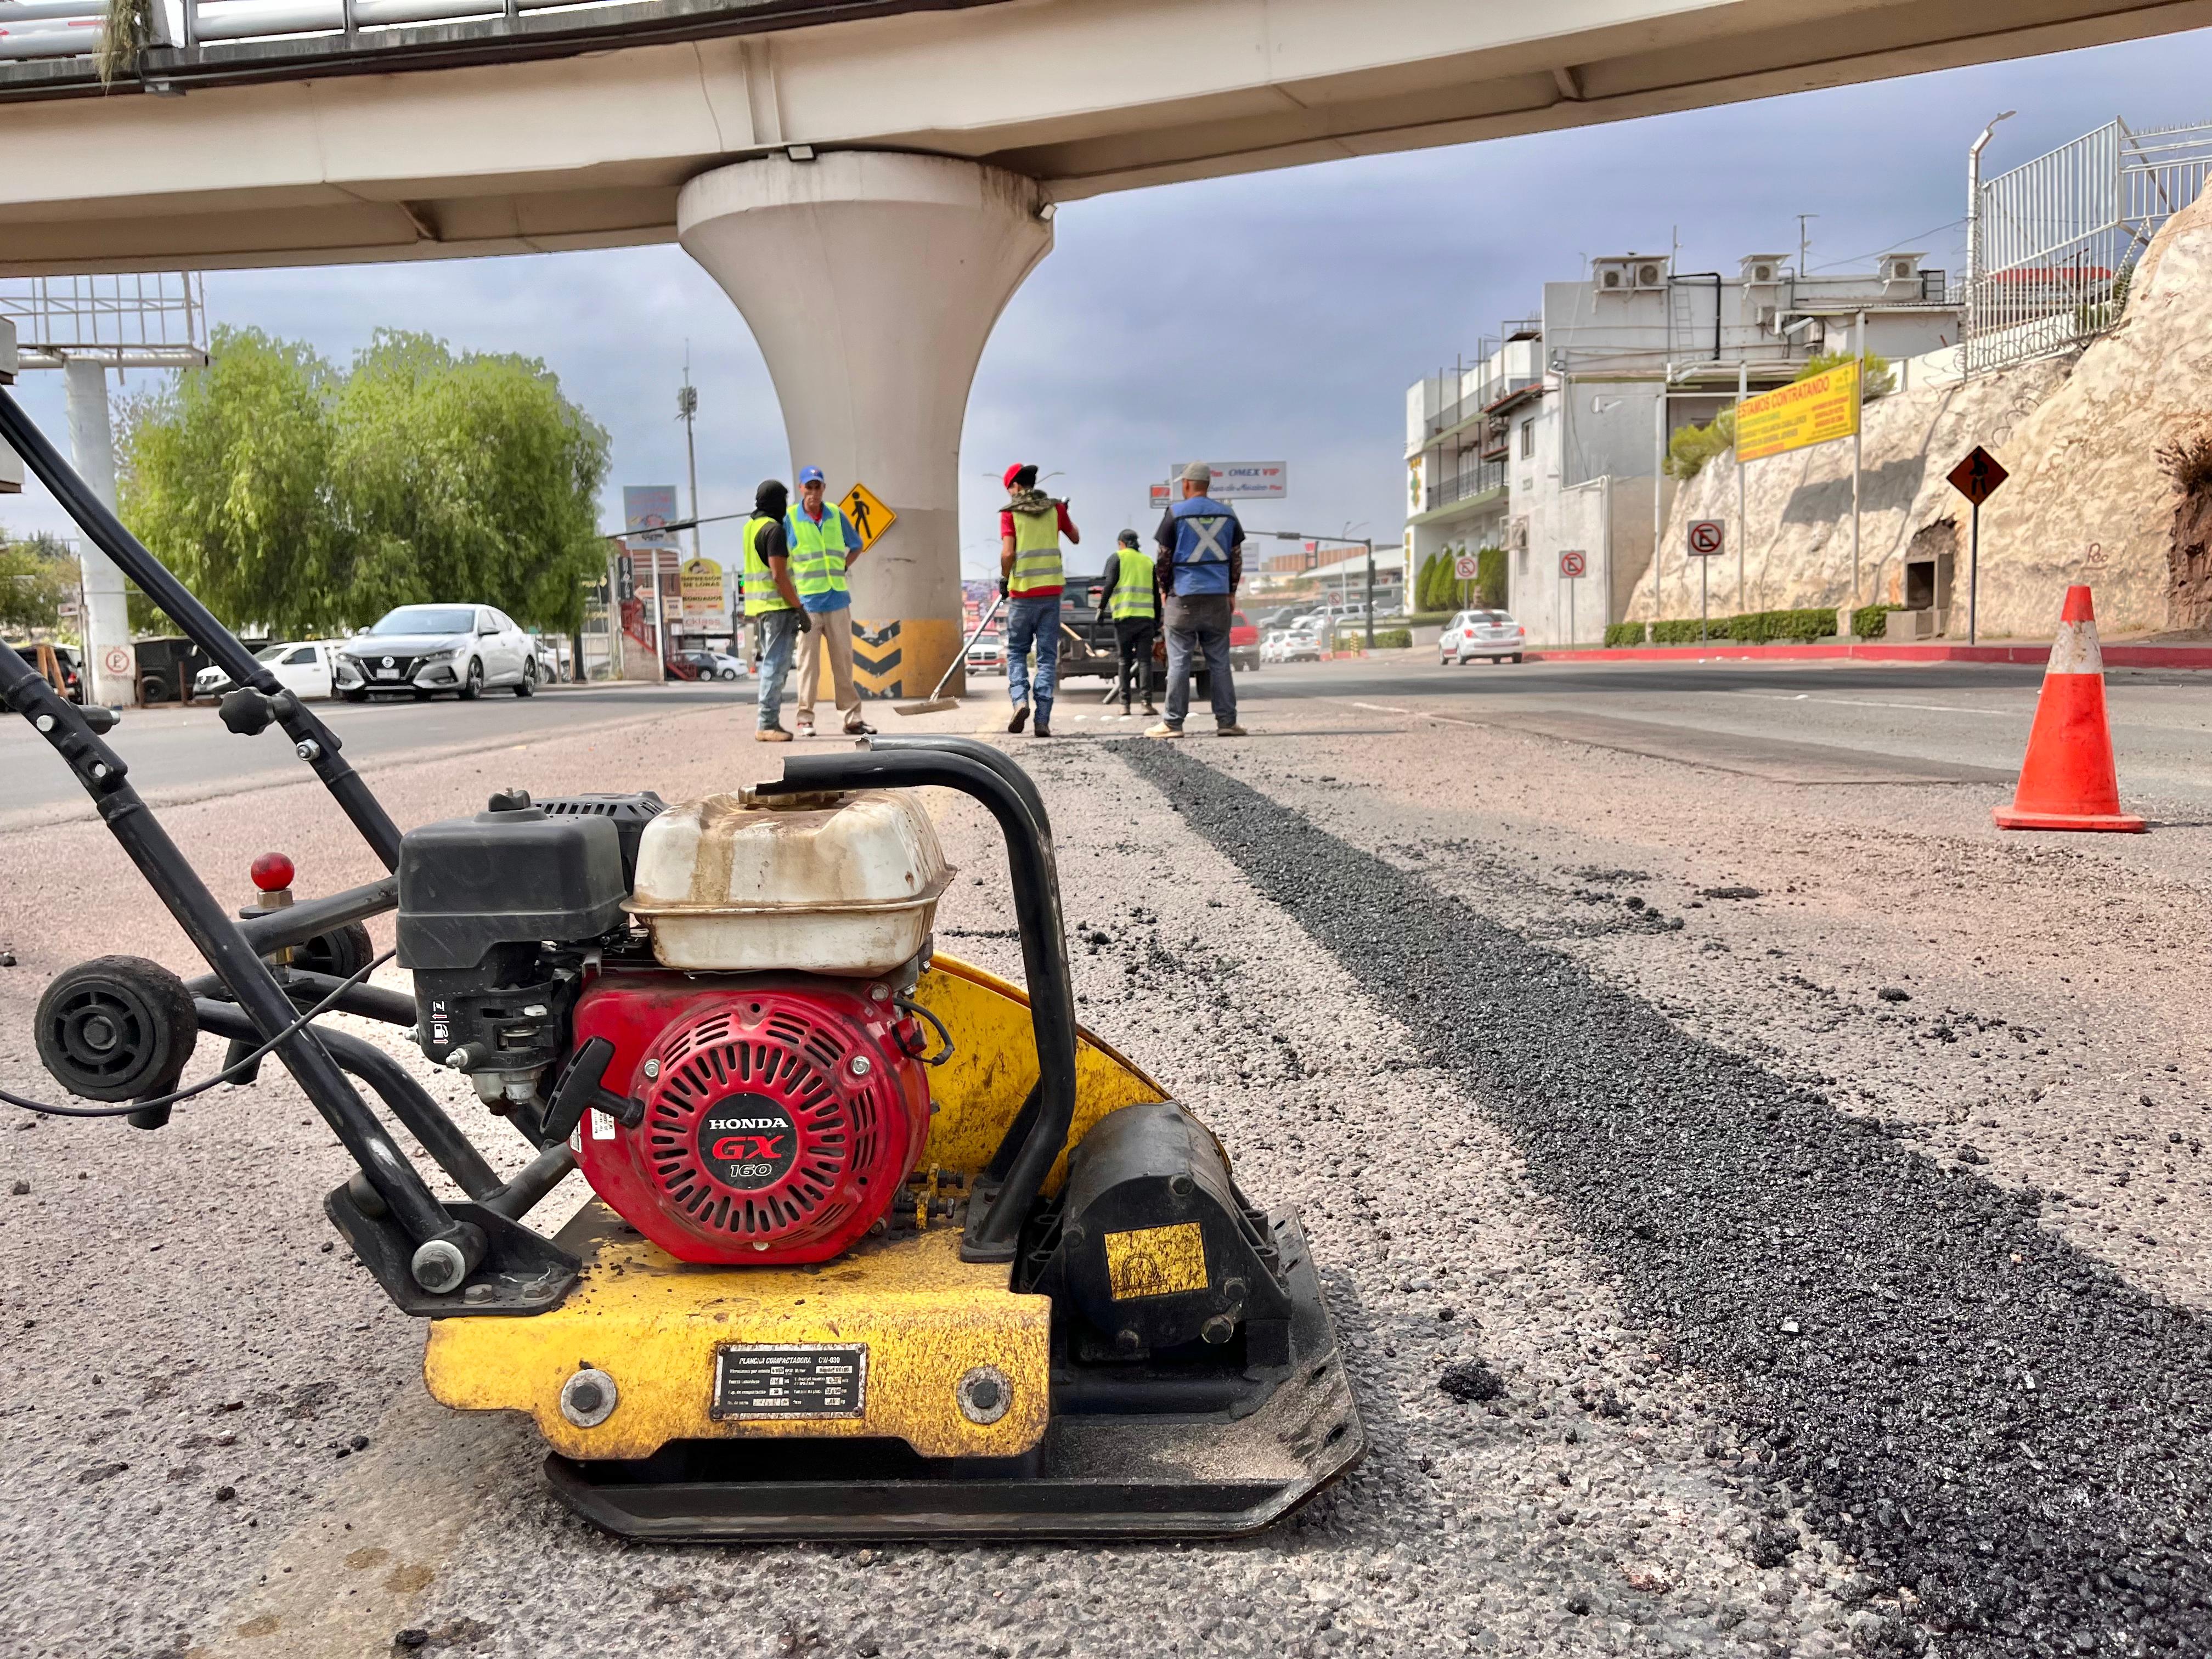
1126	594
1200	564
823	545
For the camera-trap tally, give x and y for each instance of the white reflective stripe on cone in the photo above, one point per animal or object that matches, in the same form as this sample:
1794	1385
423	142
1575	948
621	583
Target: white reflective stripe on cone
2075	651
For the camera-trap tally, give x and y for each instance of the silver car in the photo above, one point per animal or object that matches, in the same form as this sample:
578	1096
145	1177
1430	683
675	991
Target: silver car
424	649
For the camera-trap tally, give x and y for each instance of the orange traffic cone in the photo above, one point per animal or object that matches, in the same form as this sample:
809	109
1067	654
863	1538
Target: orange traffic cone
2067	782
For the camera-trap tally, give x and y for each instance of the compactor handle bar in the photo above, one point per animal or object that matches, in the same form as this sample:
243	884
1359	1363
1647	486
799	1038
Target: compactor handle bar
311	740
980	771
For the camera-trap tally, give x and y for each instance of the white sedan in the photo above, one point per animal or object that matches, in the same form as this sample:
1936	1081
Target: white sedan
1474	633
303	667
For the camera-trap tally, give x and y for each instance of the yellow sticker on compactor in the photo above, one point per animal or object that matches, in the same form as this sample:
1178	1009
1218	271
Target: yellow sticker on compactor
1156	1261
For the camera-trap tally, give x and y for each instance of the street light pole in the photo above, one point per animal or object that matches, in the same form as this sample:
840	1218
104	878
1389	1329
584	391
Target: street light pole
1370	545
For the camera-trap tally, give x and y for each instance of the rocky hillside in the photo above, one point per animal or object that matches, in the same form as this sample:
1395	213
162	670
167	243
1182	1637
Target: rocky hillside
2090	498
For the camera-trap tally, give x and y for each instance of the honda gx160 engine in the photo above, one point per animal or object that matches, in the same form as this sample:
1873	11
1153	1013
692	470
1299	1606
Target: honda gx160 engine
720	989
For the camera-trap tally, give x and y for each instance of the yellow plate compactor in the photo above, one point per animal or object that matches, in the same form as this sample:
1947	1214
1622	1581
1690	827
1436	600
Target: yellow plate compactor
881	1245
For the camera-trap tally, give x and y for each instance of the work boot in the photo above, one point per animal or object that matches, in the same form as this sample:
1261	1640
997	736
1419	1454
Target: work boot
1149	710
1232	730
1043	726
771	734
1163	730
1021	717
857	727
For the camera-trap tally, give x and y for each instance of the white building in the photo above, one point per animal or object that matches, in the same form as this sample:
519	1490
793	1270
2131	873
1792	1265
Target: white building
1553	441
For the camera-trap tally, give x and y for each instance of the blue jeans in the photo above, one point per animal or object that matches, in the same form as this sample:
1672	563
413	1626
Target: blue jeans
779	634
1200	624
1032	622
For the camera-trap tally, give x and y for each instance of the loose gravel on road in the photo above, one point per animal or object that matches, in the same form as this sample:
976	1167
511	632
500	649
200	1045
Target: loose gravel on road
1977	1413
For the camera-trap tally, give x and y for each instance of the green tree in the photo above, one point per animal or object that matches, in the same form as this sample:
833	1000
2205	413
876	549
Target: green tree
226	474
1876	378
1692	446
36	576
291	497
1490	580
466	478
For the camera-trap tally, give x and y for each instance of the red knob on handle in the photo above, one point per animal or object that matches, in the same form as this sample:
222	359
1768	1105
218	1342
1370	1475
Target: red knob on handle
273	872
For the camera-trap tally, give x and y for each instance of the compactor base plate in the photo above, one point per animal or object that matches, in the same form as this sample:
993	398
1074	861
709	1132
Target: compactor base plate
1095	1475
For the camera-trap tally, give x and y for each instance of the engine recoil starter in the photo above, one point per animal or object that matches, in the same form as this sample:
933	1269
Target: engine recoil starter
782	1114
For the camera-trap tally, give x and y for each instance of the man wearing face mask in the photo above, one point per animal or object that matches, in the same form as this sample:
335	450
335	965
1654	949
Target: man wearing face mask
771	603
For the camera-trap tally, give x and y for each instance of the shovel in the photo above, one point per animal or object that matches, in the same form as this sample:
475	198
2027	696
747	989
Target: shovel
935	701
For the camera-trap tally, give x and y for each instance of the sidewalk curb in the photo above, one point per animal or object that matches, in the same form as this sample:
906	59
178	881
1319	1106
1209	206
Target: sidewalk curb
2116	656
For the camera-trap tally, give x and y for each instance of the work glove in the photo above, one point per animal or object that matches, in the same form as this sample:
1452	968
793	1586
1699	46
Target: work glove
806	621
1002	587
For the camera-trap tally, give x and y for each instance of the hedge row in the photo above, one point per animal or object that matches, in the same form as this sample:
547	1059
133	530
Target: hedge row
1871	622
1754	628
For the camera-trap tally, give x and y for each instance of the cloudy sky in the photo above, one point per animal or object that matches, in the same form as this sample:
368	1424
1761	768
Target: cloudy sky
1322	293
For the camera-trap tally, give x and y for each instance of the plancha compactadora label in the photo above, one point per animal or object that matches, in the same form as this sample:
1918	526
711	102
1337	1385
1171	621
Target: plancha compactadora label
790	1379
747	1141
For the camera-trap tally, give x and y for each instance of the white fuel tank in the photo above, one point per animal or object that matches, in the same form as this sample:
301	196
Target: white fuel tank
821	884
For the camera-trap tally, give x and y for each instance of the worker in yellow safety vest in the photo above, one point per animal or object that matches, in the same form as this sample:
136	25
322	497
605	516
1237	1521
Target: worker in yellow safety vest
1129	598
771	604
823	545
1030	526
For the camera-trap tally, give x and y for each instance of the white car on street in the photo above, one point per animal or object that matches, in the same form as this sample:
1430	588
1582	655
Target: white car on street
305	668
1300	642
1474	633
424	649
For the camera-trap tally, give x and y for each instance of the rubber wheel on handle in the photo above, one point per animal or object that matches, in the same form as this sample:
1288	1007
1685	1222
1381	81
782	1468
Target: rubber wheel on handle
116	1029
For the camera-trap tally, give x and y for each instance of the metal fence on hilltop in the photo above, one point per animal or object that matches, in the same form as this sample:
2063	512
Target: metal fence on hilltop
2055	241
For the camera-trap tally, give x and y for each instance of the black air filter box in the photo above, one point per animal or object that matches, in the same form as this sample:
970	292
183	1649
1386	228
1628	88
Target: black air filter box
516	876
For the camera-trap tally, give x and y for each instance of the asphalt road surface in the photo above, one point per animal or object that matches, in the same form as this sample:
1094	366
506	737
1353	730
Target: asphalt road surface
1818	1171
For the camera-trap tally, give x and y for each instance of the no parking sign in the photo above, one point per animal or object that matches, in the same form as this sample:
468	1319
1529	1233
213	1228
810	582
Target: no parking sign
1706	536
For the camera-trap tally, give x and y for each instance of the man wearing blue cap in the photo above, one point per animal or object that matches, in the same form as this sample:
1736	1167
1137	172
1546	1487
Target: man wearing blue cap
822	545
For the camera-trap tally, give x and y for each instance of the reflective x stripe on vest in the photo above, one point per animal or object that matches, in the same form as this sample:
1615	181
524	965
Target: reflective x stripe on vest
1132	587
1201	552
817	552
761	596
1037	551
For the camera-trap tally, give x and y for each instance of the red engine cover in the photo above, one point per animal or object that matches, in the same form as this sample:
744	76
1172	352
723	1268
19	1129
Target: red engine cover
782	1119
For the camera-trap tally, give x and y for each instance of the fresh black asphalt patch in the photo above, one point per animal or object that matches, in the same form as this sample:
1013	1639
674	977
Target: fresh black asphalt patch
1973	1408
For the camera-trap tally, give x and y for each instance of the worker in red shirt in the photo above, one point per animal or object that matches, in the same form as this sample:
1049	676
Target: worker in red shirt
1030	526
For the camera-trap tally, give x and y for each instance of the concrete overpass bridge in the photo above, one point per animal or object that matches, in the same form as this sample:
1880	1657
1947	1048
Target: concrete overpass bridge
869	180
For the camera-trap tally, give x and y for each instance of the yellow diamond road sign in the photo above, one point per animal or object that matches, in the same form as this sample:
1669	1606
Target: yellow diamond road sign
868	514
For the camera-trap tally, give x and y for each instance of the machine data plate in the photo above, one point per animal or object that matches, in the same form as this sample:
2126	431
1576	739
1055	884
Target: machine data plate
794	1379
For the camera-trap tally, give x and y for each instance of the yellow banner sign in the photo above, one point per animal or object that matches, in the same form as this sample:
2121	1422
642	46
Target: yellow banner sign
868	514
1792	416
700	584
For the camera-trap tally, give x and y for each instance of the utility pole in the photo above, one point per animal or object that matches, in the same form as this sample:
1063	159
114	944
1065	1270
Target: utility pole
1804	241
1743	526
687	410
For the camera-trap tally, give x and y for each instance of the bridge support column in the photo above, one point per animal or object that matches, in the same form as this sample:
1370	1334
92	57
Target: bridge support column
872	281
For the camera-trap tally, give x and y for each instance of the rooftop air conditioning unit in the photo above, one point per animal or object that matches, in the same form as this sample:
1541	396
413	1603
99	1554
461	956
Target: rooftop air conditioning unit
1901	268
1613	275
1650	273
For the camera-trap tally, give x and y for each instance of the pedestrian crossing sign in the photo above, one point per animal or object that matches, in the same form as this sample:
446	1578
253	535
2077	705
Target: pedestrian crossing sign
868	514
